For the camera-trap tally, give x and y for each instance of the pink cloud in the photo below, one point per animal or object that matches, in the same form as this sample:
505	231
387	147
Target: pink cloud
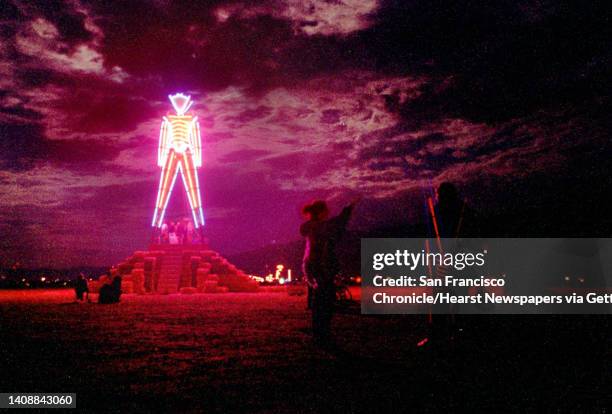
312	17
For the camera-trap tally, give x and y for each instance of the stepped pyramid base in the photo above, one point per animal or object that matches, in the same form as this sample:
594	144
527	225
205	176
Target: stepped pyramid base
186	268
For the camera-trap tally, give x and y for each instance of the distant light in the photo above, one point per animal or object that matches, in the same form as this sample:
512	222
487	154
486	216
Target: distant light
257	278
279	269
42	279
281	280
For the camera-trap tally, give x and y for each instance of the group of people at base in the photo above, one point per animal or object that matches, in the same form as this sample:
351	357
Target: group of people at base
180	232
321	265
109	292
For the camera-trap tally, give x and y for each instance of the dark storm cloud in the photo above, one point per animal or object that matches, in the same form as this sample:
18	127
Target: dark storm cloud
505	58
21	112
296	99
84	151
190	44
432	151
69	21
304	163
24	146
219	136
383	149
331	116
251	114
90	113
184	44
240	156
19	144
29	77
133	195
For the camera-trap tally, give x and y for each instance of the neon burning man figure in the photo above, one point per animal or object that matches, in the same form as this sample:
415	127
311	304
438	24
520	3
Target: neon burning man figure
180	150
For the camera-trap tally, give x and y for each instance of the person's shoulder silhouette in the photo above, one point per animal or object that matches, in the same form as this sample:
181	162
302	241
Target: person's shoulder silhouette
455	217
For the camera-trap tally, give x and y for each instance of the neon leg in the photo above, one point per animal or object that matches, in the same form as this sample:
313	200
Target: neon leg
189	194
166	182
190	179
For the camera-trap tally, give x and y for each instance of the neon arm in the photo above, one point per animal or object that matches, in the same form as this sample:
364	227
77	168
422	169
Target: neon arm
196	142
163	143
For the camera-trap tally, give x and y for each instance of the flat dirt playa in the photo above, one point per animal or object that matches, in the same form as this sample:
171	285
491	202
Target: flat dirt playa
252	353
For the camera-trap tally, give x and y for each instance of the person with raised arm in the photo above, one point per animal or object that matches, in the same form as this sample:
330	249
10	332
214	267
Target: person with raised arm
320	264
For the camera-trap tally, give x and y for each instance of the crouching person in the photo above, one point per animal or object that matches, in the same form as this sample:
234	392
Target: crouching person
111	293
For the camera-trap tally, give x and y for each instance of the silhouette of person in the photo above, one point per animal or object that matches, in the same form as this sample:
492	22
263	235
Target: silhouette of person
189	232
454	219
110	293
81	287
173	239
320	263
309	296
181	231
164	233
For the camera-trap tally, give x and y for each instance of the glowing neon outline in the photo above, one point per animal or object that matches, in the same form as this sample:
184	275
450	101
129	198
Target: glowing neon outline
161	217
180	110
166	150
189	196
160	191
163	139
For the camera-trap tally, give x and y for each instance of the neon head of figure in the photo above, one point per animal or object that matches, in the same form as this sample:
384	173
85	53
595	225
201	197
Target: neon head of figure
181	103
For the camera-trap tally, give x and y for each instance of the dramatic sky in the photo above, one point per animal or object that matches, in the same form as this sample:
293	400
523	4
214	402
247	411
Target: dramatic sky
297	99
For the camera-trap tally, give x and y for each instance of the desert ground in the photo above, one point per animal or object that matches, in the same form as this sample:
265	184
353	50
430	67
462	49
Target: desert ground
253	353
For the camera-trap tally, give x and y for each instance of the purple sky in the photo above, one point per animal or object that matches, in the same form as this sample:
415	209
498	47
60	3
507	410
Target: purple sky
297	99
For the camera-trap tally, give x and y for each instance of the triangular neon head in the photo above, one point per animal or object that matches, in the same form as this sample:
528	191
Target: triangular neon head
180	102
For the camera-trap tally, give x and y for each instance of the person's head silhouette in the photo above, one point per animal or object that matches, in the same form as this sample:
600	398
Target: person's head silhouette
447	194
317	210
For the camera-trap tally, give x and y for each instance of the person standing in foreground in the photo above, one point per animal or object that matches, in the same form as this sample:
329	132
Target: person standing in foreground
320	264
454	220
81	288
